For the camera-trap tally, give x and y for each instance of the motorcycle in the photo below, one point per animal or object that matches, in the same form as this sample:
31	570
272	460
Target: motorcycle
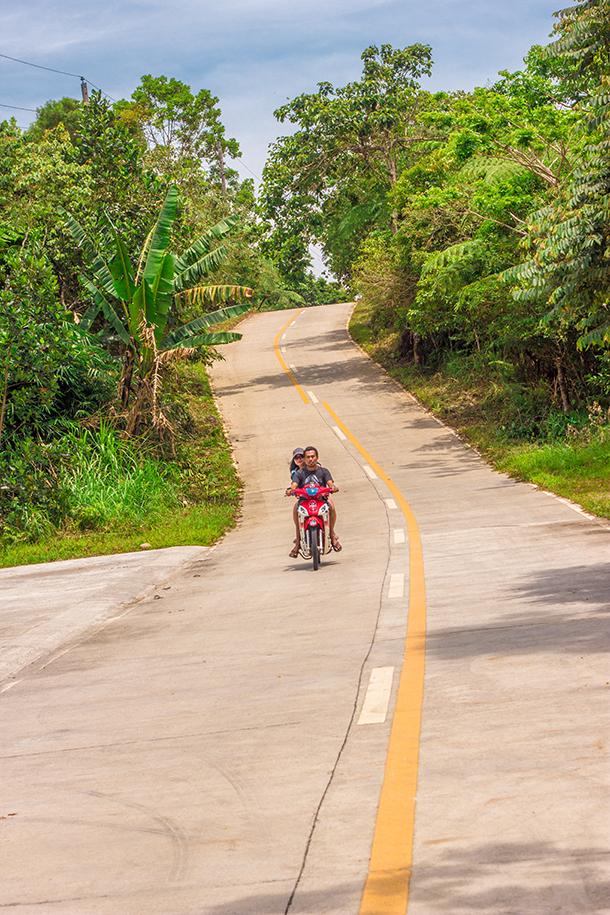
313	514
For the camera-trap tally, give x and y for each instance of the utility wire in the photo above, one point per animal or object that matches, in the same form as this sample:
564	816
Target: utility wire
246	167
17	107
39	67
52	70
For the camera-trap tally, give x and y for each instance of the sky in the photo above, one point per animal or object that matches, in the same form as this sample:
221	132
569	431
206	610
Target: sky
252	54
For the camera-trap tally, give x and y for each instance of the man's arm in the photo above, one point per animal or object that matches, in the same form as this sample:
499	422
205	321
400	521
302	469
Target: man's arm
330	483
294	485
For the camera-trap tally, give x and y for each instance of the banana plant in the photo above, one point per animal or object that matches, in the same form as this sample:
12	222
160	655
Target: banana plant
134	302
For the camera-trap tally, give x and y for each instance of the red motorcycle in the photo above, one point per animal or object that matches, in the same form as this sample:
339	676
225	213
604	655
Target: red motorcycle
314	523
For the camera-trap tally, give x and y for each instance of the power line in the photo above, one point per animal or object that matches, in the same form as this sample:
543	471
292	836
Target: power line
246	167
17	107
39	67
53	70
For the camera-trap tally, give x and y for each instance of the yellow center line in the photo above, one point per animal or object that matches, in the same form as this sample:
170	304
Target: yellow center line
386	890
283	364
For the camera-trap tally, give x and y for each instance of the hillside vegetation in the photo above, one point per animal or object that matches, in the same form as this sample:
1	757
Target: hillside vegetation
474	229
472	226
128	249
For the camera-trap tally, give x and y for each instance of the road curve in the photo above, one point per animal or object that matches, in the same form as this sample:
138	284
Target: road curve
247	739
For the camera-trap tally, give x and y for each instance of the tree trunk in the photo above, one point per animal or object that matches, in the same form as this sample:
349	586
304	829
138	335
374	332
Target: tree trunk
127	376
561	382
221	163
5	390
418	356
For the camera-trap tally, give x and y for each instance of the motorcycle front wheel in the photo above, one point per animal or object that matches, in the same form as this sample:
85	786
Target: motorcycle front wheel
313	542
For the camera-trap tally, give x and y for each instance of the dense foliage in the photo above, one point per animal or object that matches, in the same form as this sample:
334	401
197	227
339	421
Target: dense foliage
126	240
474	226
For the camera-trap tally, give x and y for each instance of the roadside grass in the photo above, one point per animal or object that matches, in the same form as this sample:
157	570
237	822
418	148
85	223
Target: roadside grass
579	471
484	411
122	503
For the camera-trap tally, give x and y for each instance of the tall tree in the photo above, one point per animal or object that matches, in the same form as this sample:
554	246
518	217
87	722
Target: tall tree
182	129
570	238
328	180
66	111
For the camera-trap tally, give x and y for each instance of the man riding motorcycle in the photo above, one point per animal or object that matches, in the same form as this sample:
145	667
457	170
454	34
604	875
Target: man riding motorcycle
312	474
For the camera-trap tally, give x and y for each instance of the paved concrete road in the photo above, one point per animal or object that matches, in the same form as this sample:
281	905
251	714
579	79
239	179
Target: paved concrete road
44	608
203	752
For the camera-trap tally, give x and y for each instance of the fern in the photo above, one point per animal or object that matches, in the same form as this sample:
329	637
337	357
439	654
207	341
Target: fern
453	257
491	169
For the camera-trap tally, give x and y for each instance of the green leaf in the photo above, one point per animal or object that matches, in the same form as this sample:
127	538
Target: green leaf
120	267
143	307
452	255
180	334
201	268
98	264
213	339
160	237
202	245
109	312
163	295
86	322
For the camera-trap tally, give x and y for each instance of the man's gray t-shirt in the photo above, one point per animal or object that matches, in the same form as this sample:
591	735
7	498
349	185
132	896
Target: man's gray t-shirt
318	477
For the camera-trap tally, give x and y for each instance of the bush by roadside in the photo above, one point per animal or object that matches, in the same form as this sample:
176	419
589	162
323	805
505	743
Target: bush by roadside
88	492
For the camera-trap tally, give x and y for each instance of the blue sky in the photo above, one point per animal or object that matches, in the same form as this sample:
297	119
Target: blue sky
253	54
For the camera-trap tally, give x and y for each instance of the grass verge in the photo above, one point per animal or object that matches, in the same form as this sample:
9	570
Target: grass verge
485	413
204	502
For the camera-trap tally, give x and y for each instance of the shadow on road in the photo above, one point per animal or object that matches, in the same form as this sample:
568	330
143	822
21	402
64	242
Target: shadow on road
567	612
549	879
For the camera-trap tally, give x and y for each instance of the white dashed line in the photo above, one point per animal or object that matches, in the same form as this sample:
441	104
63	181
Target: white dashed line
377	699
292	368
369	472
399	535
312	397
282	350
397	585
339	434
391	503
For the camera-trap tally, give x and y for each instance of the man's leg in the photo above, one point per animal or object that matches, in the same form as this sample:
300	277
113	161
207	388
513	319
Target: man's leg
294	552
332	521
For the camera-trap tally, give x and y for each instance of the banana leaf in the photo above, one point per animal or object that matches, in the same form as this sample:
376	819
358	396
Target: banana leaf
143	307
144	255
120	266
98	264
213	339
86	322
215	294
180	334
201	268
109	313
160	236
202	245
163	295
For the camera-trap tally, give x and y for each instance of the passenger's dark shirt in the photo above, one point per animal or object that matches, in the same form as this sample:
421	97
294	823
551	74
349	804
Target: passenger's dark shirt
318	477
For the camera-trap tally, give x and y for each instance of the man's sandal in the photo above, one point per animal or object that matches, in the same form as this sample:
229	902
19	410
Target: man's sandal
294	552
335	544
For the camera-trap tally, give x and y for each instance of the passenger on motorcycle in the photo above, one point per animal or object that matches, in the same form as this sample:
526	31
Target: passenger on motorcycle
298	461
313	474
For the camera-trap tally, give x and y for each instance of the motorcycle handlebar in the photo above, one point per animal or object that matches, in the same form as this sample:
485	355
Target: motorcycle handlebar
319	491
